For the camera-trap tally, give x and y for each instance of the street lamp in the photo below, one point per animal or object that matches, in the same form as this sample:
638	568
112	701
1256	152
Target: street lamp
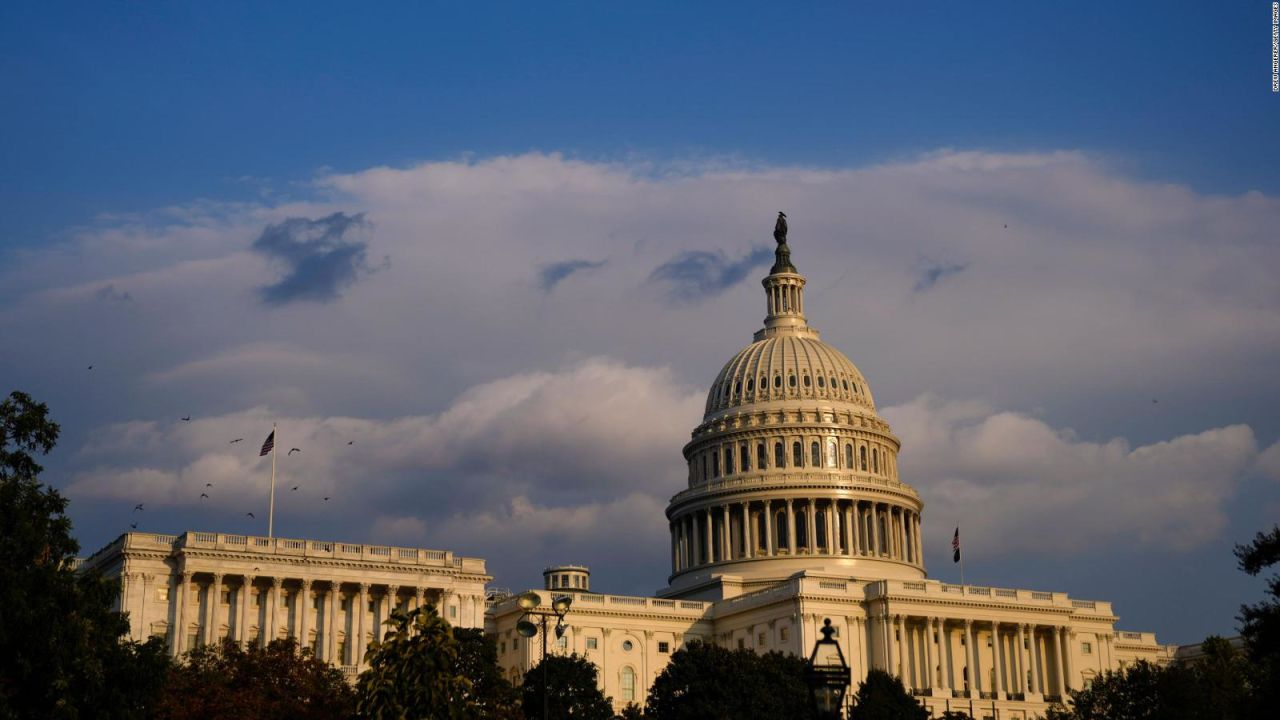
828	675
529	602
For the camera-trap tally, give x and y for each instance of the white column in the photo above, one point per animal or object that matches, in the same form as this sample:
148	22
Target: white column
859	529
180	613
946	669
971	647
1037	663
331	603
1057	661
791	528
242	605
848	531
1068	666
275	609
811	529
931	674
304	614
361	612
747	537
726	536
711	536
998	685
901	636
833	544
1022	659
418	597
769	539
890	639
875	530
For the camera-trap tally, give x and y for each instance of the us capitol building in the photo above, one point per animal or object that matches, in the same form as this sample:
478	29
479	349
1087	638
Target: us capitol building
794	513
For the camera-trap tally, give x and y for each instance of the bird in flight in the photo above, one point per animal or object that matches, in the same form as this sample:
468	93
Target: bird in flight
351	442
133	526
208	484
186	419
326	499
1154	400
292	451
233	442
295	487
251	515
204	496
90	367
1006	227
137	507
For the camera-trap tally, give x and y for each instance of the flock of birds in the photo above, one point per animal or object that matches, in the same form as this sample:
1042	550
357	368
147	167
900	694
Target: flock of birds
141	507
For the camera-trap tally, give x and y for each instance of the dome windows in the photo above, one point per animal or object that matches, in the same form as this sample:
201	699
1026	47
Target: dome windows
737	388
815	454
761	456
862	455
744	453
779	456
728	460
846	385
751	384
797	454
791	380
848	456
777	381
806	381
821	382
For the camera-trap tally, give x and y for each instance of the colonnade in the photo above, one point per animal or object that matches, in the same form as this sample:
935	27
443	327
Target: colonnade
751	529
315	612
947	655
816	452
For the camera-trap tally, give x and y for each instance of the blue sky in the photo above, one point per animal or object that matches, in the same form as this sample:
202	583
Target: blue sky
130	106
472	240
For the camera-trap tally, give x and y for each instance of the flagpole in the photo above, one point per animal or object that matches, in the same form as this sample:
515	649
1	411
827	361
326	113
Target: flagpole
271	510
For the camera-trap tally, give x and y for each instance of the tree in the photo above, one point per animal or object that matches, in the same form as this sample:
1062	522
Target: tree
413	671
492	696
1260	623
882	697
227	682
62	642
708	681
631	712
955	715
572	690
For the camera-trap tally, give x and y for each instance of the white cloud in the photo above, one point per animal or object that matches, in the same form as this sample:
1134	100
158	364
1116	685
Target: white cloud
1019	486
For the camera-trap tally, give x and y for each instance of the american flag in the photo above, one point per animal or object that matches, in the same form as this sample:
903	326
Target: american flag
269	444
955	547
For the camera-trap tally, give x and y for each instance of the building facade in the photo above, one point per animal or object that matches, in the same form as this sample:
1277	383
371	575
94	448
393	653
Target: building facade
794	513
201	588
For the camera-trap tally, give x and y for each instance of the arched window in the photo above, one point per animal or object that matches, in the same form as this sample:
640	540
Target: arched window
815	454
845	383
744	452
797	454
779	456
831	452
777	381
780	529
820	523
806	381
821	382
875	461
761	456
791	380
737	388
802	530
704	467
628	685
715	464
728	460
862	454
751	384
848	456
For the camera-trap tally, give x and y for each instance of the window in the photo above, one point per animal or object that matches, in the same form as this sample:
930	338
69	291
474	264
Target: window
737	388
779	461
875	461
742	644
797	454
728	460
592	643
628	685
257	601
193	640
821	382
761	456
848	456
373	605
831	452
862	453
845	384
315	602
562	642
760	640
1086	648
453	611
226	597
784	634
815	454
715	464
704	467
777	381
751	384
791	380
162	594
745	453
806	381
627	645
664	647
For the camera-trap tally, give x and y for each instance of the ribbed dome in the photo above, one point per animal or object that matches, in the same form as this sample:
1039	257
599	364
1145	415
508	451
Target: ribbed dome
785	367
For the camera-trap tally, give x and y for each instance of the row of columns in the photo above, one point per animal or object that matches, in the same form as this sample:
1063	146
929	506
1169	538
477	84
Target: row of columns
355	621
746	530
732	458
1024	658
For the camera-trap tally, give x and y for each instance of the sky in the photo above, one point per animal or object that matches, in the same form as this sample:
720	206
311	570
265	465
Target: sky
480	265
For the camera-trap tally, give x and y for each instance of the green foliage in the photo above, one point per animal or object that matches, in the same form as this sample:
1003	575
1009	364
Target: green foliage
491	695
882	697
1260	623
59	637
955	715
710	682
631	712
227	682
413	672
572	690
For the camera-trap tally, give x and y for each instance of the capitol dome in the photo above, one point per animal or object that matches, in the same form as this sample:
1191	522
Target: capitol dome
791	468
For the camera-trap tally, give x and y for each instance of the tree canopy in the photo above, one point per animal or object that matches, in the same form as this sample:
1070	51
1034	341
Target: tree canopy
573	690
413	671
710	682
63	650
882	696
1260	622
227	682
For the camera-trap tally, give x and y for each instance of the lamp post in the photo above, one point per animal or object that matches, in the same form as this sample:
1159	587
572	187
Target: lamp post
559	607
828	675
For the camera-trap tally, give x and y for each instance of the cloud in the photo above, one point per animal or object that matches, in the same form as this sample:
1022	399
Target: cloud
696	275
1005	475
1269	462
552	274
320	258
932	271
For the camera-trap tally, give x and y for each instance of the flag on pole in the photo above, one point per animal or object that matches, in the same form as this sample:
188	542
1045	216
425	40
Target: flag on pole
955	547
269	444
